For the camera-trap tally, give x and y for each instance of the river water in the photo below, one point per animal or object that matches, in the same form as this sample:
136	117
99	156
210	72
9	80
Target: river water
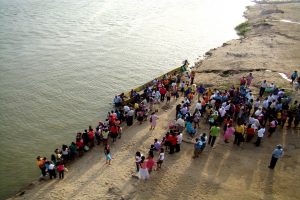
62	61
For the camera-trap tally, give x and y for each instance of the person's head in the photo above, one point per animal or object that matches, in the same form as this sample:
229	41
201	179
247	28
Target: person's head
53	157
38	158
151	154
279	146
138	154
265	81
197	139
162	150
142	159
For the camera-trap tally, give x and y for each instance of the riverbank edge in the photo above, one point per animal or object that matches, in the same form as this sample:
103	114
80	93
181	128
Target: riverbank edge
206	56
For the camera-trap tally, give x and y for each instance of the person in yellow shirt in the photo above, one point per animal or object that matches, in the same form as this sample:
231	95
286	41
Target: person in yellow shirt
209	93
239	134
279	114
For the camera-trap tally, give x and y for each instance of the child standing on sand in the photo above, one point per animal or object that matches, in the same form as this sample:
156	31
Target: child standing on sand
107	154
161	158
138	158
143	172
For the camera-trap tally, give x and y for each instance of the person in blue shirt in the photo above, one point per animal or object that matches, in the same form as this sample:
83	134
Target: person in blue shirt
276	154
294	76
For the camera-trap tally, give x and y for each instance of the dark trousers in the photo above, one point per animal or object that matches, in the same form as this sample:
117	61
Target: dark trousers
261	91
162	97
238	138
43	169
249	138
61	174
172	147
137	167
177	147
211	140
52	173
273	162
258	140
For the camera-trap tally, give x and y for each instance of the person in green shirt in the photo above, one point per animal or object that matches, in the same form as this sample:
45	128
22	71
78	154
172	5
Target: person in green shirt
214	133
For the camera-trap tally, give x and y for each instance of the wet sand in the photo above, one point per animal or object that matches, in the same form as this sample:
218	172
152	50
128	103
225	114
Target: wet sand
224	172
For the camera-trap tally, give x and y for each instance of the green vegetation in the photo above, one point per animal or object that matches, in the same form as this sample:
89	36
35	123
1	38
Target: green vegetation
243	28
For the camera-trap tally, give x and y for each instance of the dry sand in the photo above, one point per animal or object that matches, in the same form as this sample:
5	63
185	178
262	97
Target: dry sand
225	172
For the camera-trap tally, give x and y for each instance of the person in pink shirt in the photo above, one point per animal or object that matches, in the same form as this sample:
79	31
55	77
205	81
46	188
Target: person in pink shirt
249	79
150	162
228	133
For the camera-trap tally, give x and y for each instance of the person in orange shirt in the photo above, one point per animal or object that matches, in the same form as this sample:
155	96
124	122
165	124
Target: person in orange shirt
41	164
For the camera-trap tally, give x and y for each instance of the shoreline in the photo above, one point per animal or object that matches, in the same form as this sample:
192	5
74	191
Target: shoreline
212	66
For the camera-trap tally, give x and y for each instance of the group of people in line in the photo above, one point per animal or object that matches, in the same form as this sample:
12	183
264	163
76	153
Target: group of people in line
234	111
138	107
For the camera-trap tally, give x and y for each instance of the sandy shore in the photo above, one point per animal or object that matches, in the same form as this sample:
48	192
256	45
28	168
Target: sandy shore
225	172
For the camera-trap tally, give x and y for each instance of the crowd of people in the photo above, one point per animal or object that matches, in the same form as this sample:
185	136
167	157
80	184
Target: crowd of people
234	113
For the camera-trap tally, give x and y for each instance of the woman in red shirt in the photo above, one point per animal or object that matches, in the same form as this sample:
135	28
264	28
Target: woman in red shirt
114	132
250	133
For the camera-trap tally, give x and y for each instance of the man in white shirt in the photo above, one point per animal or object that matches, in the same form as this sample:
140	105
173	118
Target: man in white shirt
260	135
180	122
126	109
198	105
263	88
51	170
222	112
265	104
179	141
257	112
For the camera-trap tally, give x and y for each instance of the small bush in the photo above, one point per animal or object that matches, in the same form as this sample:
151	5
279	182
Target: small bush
243	28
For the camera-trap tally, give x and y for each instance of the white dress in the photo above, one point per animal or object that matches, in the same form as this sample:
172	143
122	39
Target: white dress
143	173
